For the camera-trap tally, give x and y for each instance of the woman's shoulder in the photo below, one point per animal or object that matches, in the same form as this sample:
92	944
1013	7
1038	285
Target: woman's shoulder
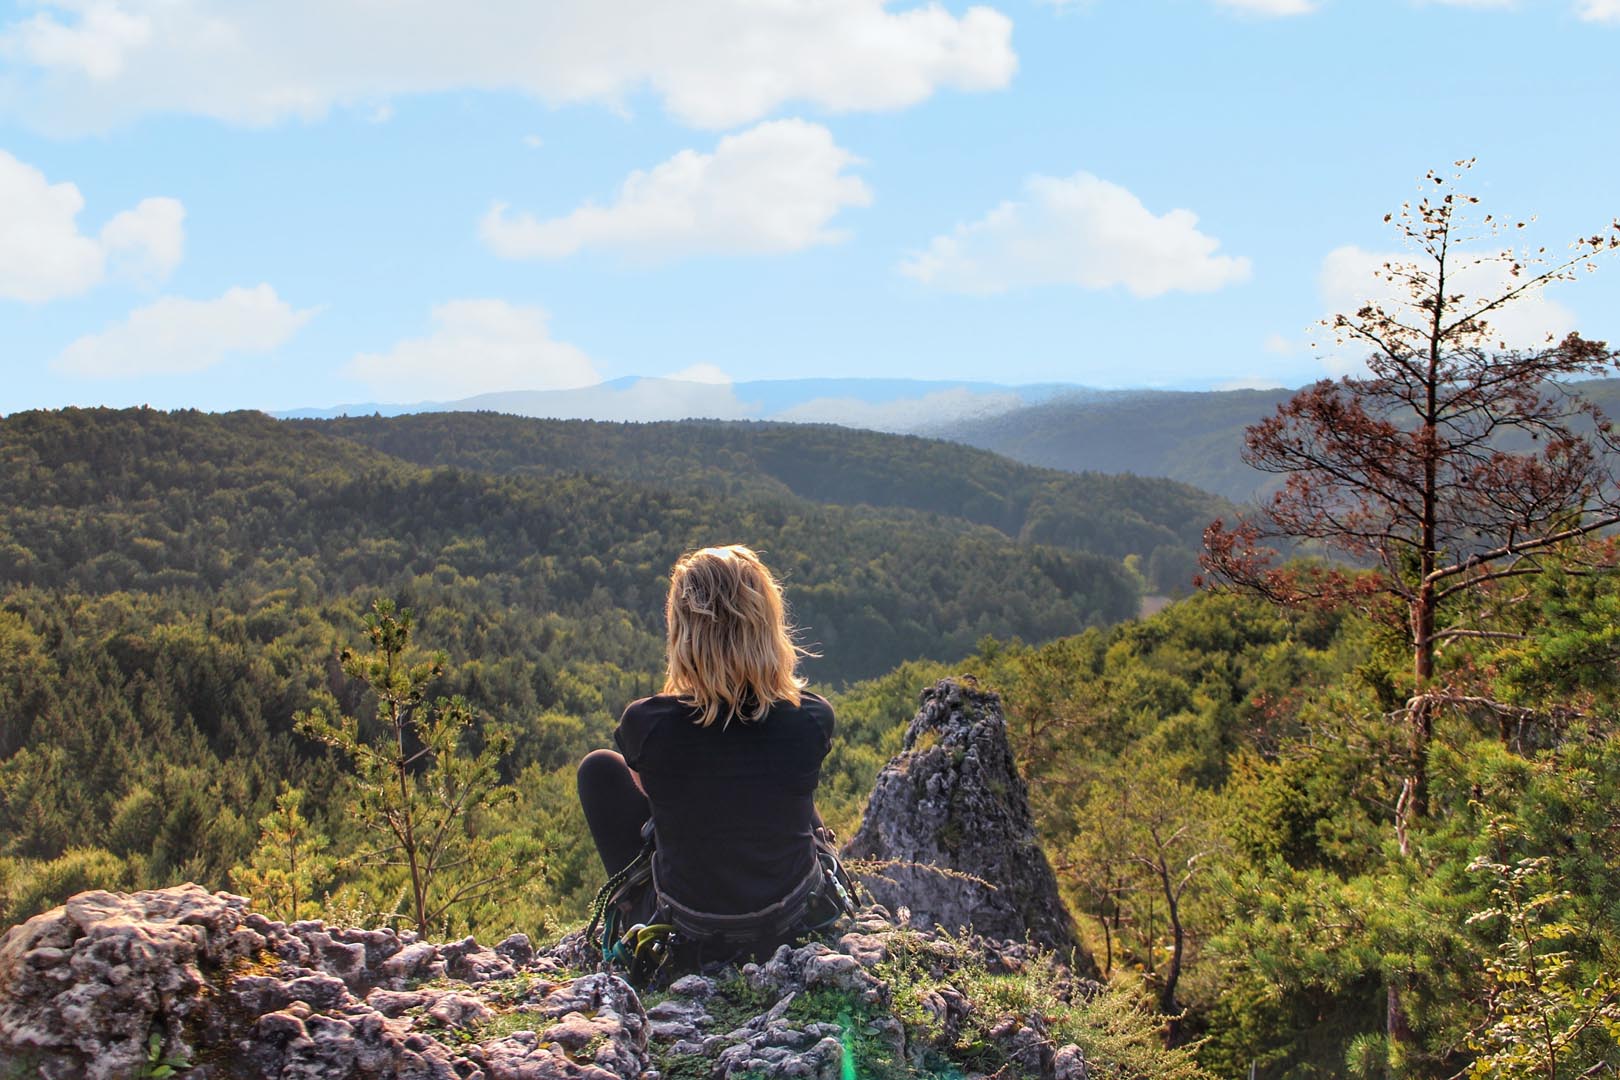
814	702
644	712
647	711
818	709
656	702
642	716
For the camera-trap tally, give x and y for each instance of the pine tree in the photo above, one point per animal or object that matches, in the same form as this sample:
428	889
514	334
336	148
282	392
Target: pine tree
419	790
289	864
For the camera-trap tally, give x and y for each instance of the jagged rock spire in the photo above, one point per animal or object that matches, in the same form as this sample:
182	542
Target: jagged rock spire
951	803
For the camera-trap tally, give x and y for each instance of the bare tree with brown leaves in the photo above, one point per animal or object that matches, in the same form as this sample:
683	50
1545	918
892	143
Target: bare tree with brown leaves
1456	464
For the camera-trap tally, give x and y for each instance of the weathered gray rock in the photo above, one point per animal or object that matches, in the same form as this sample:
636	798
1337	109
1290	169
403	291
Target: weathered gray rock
1069	1063
232	994
82	988
825	1000
953	801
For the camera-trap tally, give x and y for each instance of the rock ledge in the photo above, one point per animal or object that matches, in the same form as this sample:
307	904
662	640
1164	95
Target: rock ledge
230	994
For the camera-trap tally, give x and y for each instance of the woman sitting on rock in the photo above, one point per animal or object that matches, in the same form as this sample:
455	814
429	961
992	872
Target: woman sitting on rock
724	765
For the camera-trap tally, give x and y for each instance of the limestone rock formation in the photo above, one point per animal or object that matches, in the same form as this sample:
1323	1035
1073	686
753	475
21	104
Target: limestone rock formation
952	801
111	985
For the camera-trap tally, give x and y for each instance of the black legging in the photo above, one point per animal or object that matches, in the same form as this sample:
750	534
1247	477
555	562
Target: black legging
615	808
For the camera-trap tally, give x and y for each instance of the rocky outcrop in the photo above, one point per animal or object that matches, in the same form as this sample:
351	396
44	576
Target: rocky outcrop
190	983
950	825
110	984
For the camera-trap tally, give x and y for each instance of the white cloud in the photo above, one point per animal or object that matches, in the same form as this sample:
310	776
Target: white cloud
533	142
44	256
1350	277
94	44
147	242
1079	231
477	346
1269	7
713	63
176	336
1598	10
1248	7
42	253
646	400
768	190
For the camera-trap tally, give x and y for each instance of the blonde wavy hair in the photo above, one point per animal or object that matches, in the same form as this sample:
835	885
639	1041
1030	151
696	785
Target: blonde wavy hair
730	647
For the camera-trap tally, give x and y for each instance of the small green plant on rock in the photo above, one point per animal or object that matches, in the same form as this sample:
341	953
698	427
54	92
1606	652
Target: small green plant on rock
864	1054
1115	1029
157	1066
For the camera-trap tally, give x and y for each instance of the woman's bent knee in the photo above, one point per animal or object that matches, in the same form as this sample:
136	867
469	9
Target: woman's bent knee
601	767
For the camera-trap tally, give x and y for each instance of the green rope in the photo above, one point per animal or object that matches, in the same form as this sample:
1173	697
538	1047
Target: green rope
604	897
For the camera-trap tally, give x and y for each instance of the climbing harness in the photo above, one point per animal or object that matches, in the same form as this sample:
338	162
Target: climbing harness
644	949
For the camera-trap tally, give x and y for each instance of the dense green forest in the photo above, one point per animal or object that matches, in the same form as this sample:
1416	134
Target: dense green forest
1158	521
1217	785
178	586
233	507
1252	759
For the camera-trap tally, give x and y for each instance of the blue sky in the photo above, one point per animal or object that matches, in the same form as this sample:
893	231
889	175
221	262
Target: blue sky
224	204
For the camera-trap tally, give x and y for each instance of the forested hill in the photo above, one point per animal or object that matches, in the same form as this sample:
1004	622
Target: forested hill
1191	436
1102	514
176	587
237	506
1195	437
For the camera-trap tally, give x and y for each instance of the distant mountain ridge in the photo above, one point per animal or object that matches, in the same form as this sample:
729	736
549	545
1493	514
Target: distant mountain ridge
878	404
1054	425
1186	435
1191	436
1195	437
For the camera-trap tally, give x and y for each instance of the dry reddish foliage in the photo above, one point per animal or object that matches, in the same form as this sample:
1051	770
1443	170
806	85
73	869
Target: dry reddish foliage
1455	463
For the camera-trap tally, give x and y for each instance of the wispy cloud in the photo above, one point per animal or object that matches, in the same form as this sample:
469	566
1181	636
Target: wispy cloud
713	63
178	336
476	346
1278	345
1271	8
1247	7
1080	231
710	374
772	189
